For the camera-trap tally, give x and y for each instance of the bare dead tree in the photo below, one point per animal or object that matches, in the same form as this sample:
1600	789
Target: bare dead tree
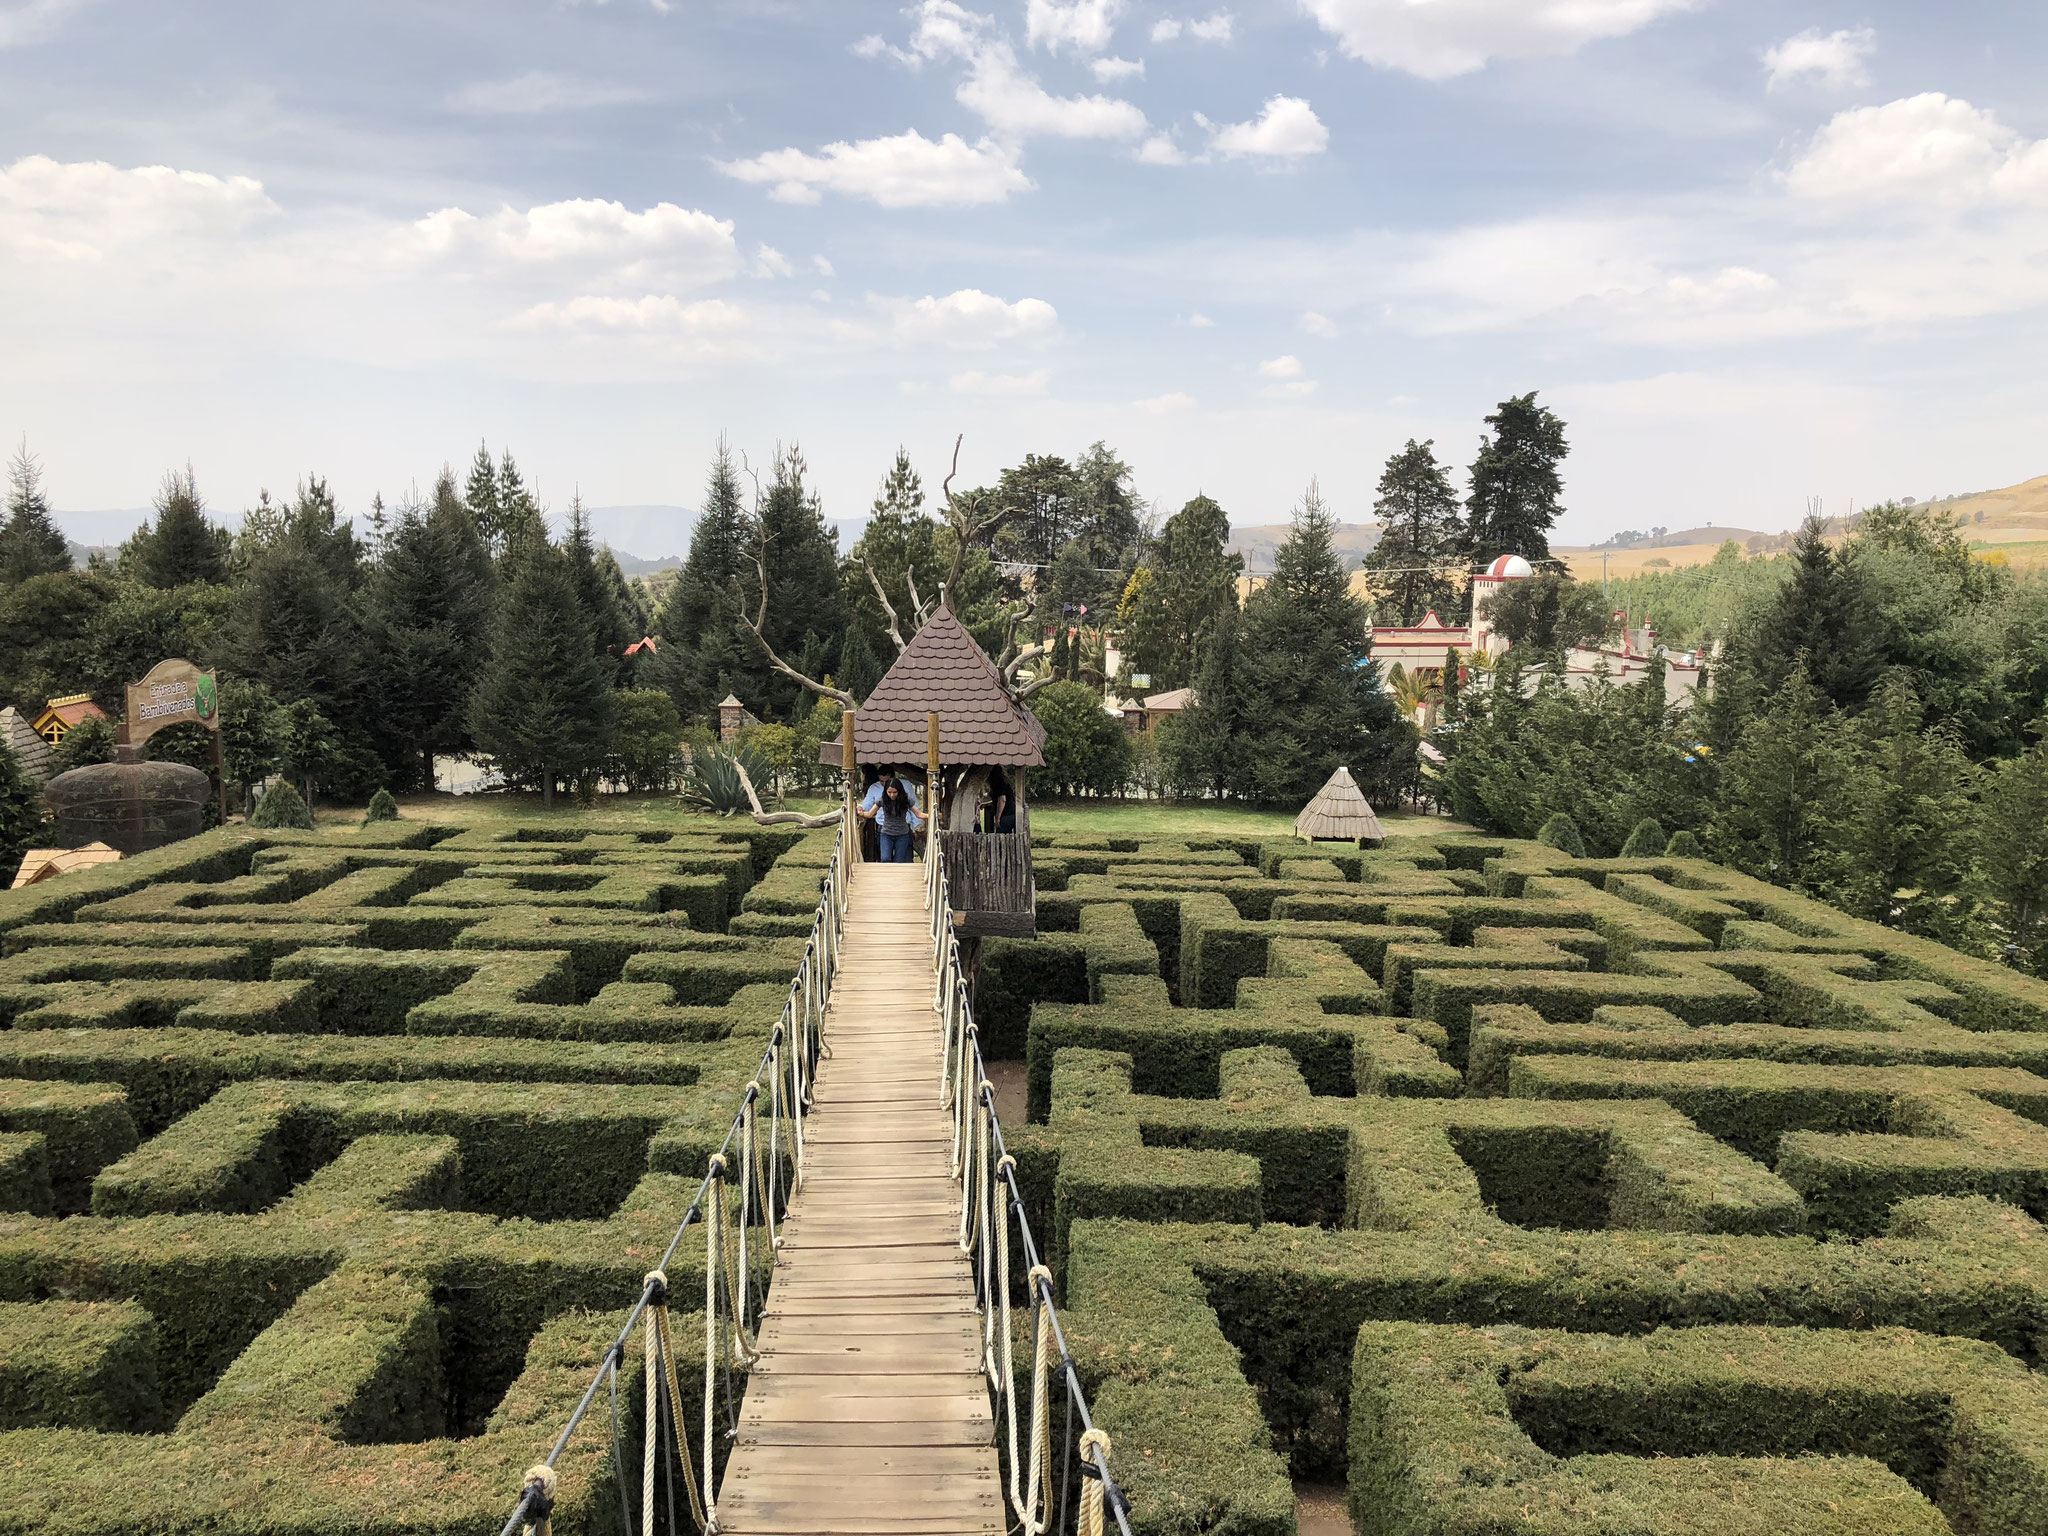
972	518
895	633
780	818
760	619
919	607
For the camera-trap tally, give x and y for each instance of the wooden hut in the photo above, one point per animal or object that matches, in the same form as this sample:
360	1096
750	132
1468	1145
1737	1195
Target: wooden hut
1339	811
982	730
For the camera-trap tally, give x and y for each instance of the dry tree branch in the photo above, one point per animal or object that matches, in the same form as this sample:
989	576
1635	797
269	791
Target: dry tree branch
760	618
888	607
920	609
779	818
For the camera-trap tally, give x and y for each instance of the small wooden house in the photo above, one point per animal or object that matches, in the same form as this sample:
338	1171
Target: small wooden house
59	715
986	737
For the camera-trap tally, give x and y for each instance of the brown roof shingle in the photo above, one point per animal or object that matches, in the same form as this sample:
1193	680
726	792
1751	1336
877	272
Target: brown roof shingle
943	670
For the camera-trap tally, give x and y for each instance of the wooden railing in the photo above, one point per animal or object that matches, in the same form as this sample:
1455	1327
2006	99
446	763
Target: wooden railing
991	882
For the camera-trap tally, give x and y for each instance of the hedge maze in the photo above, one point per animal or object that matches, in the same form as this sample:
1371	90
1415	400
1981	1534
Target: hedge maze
329	1162
1531	1193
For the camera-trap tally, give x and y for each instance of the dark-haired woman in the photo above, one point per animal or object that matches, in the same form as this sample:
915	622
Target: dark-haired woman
896	821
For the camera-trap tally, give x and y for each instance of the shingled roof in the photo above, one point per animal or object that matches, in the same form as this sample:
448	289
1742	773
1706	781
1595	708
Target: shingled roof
1339	810
942	670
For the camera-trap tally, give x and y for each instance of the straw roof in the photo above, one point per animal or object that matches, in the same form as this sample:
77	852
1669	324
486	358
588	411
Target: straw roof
943	671
40	864
1339	810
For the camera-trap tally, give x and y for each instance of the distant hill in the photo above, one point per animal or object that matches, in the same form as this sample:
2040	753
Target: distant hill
1258	544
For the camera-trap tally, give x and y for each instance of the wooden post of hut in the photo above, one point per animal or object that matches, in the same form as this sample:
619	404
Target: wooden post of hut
849	762
944	702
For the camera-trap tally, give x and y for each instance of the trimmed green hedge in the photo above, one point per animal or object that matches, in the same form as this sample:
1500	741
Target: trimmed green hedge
78	1365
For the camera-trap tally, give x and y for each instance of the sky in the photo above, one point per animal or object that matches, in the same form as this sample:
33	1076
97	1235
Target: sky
1753	253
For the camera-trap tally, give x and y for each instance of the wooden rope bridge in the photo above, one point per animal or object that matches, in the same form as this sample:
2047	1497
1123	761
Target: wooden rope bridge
867	1411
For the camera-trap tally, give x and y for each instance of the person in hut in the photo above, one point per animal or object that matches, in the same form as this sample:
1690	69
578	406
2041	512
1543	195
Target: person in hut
999	810
893	809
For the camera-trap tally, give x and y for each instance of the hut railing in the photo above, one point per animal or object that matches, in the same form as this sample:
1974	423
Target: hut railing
990	871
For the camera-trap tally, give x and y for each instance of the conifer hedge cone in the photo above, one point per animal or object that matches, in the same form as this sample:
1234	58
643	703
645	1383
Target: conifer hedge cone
1684	845
282	806
1562	833
382	807
1645	841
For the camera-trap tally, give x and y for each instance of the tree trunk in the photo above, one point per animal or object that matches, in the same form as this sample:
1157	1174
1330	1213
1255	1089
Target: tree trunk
547	786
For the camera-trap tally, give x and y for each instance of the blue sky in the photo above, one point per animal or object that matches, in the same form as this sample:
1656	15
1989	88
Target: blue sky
1752	252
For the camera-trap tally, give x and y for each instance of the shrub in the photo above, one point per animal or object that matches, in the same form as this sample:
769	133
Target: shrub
1684	845
1562	833
1645	841
382	808
282	806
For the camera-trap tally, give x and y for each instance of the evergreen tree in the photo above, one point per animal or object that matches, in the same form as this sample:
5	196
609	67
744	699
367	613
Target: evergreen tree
1823	619
806	618
701	621
543	707
480	496
2012	842
1045	498
1210	745
1421	538
428	614
282	806
1513	498
601	589
1789	764
31	544
180	547
1562	833
1646	840
1181	597
1311	688
1087	750
518	512
901	546
859	668
1548	613
297	629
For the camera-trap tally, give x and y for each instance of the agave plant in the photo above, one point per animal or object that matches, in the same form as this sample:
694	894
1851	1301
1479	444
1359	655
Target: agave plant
713	778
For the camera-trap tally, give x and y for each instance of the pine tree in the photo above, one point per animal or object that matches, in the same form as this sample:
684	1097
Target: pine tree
1181	597
859	668
1312	690
1790	763
428	613
1045	497
1512	501
543	707
1562	833
1825	619
1421	537
806	617
601	589
180	547
31	544
901	546
700	621
2012	850
21	814
518	511
480	495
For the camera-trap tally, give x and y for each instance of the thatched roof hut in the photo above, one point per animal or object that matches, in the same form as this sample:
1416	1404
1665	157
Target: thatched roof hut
1339	811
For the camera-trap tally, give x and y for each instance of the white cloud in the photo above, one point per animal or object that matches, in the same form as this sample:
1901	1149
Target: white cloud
682	243
1113	69
1836	58
1161	150
968	318
1199	322
1084	25
823	266
1286	129
652	313
1300	389
1318	325
1286	366
1442	38
1160	405
1017	106
769	262
975	382
1219	27
1917	152
84	210
30	21
904	171
538	91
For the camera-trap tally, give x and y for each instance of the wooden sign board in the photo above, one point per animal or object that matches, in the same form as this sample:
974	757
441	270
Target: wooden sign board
174	693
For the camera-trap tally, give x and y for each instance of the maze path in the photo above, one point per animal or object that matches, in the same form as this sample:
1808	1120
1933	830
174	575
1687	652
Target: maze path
867	1412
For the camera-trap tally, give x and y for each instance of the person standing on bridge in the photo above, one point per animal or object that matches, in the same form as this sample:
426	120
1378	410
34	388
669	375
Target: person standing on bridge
895	816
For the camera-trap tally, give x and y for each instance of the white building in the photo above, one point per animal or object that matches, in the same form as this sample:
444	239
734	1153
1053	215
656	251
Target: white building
1423	646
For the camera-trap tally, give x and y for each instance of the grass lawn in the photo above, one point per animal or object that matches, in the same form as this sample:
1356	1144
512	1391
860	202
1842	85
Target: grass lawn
1145	819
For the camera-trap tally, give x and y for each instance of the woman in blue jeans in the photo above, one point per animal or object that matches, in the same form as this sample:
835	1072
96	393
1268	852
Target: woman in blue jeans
896	821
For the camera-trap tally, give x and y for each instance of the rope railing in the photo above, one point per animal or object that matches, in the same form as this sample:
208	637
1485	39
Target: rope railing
743	1191
988	1180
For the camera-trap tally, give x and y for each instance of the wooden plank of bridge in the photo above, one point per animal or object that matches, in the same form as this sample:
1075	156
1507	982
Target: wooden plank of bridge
867	1412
